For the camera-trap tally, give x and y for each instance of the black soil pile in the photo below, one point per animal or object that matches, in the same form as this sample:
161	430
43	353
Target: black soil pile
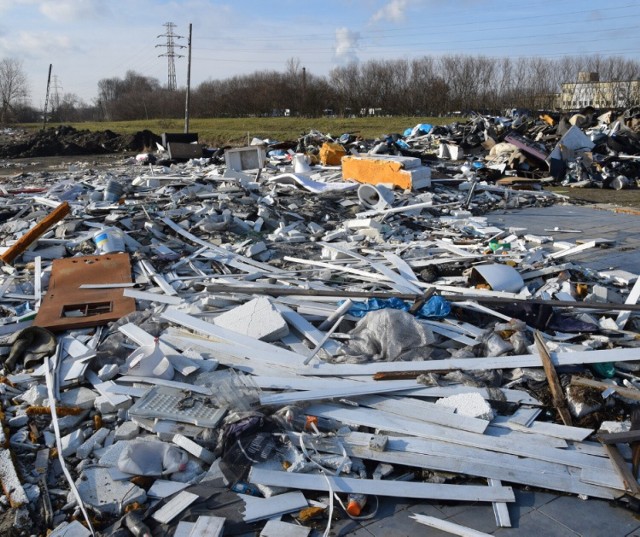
67	141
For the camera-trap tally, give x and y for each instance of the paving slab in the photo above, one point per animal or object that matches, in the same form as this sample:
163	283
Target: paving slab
593	223
591	517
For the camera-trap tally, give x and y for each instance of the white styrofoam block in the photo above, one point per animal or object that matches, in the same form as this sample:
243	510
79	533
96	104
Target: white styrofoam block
127	431
71	442
256	318
91	443
468	404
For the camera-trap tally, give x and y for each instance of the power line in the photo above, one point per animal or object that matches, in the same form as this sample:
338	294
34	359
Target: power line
402	32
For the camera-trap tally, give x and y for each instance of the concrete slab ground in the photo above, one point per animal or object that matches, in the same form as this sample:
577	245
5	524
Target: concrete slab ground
593	222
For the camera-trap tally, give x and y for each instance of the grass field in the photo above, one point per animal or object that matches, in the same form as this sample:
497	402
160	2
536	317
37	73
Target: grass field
236	131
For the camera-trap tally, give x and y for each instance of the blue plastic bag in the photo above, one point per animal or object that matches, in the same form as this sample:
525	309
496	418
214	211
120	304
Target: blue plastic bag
435	308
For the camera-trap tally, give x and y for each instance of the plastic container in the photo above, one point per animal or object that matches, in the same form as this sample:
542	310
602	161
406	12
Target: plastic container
113	191
300	164
355	504
109	240
375	197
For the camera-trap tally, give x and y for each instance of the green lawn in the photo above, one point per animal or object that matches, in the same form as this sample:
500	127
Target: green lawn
236	131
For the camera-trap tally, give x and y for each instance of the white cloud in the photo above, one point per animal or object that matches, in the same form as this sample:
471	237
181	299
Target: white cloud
392	11
347	44
71	10
34	44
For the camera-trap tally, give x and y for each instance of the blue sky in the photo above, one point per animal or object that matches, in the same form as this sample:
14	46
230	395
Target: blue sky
87	40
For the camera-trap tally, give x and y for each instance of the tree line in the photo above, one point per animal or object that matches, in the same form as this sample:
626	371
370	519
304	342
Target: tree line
426	86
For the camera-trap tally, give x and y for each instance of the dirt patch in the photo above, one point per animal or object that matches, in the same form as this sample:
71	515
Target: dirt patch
628	197
67	141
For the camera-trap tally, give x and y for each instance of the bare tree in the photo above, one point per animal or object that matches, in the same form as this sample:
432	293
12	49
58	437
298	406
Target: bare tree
14	88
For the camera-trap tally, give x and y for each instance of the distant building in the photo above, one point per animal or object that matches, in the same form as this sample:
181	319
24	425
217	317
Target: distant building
589	90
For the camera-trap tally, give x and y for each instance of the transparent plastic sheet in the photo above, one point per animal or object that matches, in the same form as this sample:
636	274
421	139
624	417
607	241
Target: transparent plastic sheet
388	335
231	389
152	458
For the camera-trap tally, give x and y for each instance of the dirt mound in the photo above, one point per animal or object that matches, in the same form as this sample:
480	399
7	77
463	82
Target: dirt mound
67	141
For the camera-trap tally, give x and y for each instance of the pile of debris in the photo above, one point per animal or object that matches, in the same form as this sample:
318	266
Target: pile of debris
204	347
67	141
581	150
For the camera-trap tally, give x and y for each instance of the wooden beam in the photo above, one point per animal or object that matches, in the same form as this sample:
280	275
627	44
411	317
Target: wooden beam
489	362
623	470
629	393
623	437
447	527
399	489
35	232
342	294
552	378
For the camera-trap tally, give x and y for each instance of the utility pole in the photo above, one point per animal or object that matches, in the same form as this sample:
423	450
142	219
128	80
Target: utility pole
171	54
188	98
304	91
46	99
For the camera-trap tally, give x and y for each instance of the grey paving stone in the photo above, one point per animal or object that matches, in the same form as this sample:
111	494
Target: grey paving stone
401	525
591	517
344	526
454	508
388	507
527	501
537	524
478	517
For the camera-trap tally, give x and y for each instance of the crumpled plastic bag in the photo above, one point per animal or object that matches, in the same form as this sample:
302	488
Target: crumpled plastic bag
434	308
388	335
152	458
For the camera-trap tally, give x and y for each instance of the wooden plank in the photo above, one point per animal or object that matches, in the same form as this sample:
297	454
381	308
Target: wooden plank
448	527
338	391
447	457
230	355
505	444
153	297
623	437
400	489
256	347
208	526
506	394
500	509
425	411
575	434
35	232
629	393
304	327
281	504
174	507
623	470
490	362
277	528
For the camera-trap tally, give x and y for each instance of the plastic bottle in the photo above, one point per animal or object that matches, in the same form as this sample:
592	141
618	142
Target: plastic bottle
136	526
355	504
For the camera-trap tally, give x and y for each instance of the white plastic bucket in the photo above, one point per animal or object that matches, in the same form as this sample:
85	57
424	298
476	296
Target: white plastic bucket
109	240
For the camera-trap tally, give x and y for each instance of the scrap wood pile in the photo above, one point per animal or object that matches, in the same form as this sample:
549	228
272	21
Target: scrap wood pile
203	347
